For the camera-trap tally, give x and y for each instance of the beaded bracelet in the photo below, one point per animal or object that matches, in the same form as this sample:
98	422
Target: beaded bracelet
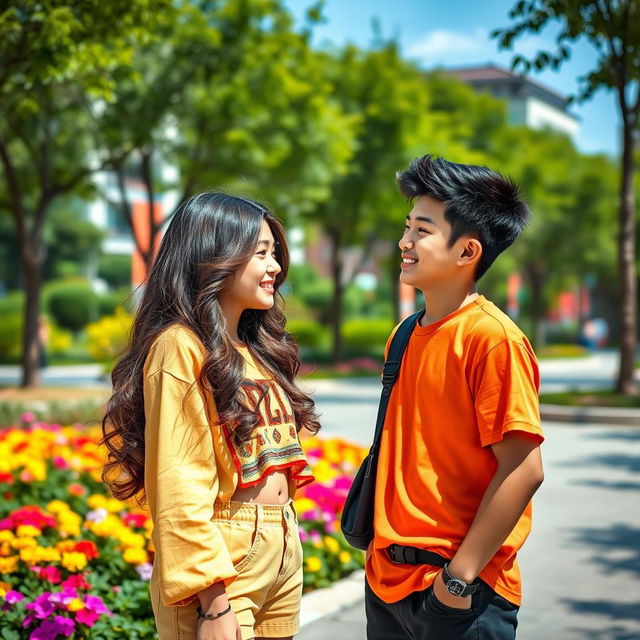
212	616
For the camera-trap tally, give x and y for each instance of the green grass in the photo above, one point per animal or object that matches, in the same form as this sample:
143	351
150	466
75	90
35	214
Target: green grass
562	351
591	399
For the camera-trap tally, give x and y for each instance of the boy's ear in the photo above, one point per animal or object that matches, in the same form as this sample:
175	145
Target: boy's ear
471	250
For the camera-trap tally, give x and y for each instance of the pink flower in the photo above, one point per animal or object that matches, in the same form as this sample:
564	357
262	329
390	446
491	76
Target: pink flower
52	574
76	581
27	417
42	606
13	596
60	463
86	617
95	604
304	536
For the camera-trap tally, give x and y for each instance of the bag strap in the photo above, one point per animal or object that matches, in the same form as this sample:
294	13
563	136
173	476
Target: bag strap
392	368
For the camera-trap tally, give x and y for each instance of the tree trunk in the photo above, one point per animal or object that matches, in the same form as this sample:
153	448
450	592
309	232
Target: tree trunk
535	274
147	177
626	269
336	302
32	261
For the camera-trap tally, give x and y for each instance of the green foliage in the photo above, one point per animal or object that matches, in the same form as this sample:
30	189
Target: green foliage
115	270
367	334
308	333
10	336
73	304
109	302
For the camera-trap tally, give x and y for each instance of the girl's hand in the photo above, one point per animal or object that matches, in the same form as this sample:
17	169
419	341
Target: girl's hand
224	628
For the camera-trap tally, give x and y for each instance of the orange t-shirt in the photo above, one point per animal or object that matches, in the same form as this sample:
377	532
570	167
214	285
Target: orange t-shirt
464	382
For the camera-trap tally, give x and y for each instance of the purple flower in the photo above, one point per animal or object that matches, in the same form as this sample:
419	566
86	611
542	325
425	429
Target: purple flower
144	570
51	629
13	596
98	515
42	605
95	604
65	596
65	625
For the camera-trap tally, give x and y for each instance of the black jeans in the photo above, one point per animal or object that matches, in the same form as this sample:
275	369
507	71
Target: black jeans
421	616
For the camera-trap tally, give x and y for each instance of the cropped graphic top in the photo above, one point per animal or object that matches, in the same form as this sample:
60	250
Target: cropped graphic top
191	461
274	445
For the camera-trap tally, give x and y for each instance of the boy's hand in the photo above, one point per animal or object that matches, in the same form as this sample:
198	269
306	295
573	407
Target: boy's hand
448	599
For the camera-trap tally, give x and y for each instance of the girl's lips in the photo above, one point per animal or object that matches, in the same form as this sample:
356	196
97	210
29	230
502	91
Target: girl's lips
267	287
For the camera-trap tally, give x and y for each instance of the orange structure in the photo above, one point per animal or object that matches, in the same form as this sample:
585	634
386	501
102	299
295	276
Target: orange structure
140	215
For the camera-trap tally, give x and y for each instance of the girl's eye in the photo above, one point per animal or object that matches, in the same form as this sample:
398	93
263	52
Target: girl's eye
263	252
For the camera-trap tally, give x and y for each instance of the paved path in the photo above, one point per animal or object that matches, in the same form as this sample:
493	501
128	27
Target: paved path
581	565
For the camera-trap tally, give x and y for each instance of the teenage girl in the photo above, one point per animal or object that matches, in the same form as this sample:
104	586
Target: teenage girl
203	425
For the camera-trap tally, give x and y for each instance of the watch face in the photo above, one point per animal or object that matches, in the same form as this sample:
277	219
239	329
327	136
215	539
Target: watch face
456	587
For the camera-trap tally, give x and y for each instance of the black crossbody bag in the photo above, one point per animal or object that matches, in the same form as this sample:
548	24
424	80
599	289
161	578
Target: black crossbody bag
357	515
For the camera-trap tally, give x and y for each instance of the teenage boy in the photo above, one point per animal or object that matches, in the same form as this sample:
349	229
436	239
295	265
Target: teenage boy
459	456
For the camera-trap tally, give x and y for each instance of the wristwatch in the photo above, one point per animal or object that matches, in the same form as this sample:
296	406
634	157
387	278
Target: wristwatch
458	587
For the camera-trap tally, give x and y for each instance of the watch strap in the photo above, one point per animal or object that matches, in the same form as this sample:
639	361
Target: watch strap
458	587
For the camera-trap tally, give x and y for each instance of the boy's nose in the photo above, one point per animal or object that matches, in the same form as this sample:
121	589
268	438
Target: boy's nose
405	244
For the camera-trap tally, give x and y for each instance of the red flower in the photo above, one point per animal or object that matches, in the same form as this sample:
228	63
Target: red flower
76	581
135	519
88	548
6	477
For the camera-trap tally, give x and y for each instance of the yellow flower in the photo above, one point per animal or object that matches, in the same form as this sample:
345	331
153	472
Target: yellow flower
69	524
344	557
37	555
303	505
24	543
135	556
74	561
313	564
5	549
57	506
8	565
6	535
331	544
96	501
113	506
75	605
4	587
130	539
28	530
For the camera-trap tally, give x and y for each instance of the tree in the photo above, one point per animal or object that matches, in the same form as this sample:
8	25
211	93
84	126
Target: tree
613	28
254	115
58	60
569	195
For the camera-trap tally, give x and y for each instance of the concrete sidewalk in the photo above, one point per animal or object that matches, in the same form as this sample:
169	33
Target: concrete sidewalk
581	565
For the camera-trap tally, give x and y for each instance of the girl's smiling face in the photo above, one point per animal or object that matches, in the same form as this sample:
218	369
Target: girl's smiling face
253	286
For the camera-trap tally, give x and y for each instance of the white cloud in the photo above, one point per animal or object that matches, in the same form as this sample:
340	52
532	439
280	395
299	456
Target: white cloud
442	42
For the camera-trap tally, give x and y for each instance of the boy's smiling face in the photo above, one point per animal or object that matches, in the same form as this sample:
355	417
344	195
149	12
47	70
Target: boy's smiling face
427	259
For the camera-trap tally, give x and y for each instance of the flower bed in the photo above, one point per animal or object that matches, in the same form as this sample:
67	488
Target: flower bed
74	561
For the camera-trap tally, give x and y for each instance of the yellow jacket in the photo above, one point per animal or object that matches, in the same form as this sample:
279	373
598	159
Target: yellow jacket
190	462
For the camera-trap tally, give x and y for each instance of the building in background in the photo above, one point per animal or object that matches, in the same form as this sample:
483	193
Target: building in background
530	103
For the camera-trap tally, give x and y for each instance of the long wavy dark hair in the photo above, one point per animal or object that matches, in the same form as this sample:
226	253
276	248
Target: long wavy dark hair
209	238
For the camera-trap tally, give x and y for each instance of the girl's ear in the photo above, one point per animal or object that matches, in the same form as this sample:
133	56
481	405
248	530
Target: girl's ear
471	252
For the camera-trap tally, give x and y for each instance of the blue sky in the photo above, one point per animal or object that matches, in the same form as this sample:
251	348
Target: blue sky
456	33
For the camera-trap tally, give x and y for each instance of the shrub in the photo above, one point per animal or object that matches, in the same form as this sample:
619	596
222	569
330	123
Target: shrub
115	270
10	336
366	334
308	333
108	336
71	303
109	302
